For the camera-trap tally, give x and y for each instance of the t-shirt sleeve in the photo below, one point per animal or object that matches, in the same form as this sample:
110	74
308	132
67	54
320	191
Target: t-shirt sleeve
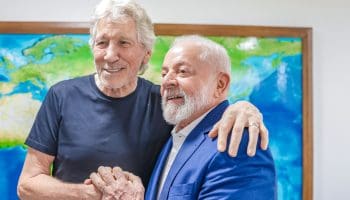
44	132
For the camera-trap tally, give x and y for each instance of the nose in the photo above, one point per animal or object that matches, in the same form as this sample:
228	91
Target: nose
112	53
169	80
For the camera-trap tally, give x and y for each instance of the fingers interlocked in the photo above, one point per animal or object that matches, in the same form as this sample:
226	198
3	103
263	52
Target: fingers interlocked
117	184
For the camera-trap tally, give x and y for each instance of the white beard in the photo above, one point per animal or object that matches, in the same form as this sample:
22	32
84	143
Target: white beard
174	114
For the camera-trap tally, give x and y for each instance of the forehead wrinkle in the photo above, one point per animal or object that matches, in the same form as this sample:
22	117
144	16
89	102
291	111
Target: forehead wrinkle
123	27
179	57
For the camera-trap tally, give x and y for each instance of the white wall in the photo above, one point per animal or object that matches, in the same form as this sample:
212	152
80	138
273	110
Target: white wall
330	20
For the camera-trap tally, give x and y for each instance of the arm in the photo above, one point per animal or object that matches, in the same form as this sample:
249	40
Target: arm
240	178
35	181
236	117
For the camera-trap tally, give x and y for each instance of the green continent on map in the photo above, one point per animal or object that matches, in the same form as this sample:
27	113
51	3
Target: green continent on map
49	60
69	58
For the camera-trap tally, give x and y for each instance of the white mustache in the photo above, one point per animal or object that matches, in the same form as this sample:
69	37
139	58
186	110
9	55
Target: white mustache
173	93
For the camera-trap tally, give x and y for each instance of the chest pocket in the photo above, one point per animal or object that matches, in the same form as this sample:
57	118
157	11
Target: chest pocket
182	191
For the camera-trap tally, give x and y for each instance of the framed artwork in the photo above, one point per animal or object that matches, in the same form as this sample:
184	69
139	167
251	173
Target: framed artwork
271	67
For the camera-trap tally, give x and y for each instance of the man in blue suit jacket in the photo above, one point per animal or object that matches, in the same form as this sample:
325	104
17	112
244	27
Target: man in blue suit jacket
189	166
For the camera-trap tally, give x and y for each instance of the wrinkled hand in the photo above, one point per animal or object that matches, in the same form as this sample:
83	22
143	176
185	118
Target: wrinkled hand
116	184
236	117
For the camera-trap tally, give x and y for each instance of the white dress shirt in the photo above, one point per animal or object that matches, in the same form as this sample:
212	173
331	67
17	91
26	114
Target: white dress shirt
178	139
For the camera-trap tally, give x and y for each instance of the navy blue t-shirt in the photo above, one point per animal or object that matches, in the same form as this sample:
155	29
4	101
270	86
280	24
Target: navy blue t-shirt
85	129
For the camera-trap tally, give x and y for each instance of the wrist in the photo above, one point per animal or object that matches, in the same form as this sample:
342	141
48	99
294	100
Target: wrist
90	192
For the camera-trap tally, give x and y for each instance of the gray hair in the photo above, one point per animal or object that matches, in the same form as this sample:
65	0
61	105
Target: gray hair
118	9
211	52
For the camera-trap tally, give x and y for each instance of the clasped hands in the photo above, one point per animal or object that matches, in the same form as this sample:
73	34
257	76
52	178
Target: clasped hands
116	184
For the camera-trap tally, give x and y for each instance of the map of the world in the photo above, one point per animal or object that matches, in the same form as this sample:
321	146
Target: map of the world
265	71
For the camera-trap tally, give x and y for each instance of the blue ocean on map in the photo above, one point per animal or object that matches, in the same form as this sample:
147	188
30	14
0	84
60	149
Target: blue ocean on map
11	162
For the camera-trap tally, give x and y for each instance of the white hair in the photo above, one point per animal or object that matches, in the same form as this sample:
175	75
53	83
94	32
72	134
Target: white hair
116	10
211	52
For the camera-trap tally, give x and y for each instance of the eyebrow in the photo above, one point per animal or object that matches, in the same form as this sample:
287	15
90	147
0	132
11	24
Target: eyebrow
177	65
105	34
125	37
164	67
101	35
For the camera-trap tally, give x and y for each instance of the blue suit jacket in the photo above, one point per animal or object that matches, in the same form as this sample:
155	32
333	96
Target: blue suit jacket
199	171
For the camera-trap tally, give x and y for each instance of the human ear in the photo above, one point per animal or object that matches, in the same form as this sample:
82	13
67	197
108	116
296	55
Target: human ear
222	84
147	57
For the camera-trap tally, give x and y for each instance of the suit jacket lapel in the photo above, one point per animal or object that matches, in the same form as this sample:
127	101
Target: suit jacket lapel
191	144
152	188
193	141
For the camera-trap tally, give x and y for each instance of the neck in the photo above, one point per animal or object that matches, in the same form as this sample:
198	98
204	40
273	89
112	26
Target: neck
116	92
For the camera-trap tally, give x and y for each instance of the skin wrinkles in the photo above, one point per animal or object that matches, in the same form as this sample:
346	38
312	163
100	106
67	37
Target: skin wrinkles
118	56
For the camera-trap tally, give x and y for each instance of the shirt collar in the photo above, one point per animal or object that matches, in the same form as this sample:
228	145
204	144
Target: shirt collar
183	133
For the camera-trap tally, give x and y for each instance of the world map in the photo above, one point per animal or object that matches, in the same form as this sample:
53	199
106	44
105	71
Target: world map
265	71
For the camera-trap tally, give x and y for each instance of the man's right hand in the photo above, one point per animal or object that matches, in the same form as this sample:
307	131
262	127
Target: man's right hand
117	184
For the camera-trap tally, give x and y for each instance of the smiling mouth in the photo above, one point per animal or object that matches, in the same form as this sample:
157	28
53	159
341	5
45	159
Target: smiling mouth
114	70
174	97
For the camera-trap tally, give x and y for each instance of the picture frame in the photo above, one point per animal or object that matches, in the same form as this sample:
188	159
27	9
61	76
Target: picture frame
302	34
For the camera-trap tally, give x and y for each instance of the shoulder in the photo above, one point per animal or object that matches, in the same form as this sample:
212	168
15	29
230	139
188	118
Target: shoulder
149	86
71	83
150	91
243	176
66	88
259	168
70	86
